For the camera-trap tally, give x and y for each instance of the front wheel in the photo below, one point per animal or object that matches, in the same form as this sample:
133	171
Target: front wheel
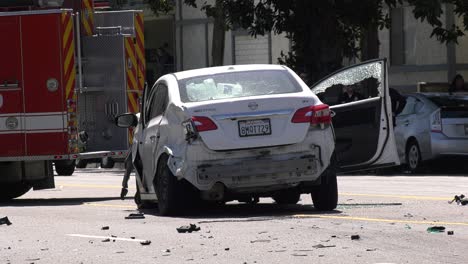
65	167
325	196
10	191
107	163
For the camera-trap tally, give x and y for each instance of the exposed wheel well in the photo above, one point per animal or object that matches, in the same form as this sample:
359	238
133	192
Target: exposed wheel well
411	140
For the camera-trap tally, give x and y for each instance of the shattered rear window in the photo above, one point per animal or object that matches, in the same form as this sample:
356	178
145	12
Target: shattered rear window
237	84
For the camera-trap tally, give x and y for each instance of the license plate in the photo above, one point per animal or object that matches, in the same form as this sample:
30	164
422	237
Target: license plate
250	128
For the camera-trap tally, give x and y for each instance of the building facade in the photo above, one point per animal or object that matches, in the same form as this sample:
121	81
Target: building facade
416	57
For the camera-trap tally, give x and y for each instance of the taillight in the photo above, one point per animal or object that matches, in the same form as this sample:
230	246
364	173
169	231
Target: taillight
315	115
203	123
436	122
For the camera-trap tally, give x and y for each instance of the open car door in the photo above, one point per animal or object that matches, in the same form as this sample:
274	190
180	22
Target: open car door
363	125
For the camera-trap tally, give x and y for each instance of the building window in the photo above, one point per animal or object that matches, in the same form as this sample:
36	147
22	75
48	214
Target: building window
397	37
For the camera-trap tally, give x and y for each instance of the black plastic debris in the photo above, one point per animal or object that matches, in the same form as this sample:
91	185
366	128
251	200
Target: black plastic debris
227	249
459	199
355	237
105	228
5	221
450	233
188	229
323	246
146	242
135	216
106	240
436	229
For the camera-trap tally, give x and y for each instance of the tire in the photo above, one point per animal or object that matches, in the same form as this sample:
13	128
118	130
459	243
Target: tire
81	164
9	191
168	190
325	196
287	197
107	163
413	156
65	167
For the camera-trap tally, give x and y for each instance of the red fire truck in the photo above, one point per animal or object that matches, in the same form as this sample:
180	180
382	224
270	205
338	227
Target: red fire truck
66	71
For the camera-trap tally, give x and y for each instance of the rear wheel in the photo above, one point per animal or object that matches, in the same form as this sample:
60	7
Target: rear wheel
413	156
107	163
65	167
81	164
287	197
10	191
168	190
325	196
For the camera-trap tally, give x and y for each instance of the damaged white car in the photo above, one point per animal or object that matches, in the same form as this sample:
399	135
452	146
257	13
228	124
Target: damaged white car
244	132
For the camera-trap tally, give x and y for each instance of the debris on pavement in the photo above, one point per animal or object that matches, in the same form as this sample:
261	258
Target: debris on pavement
450	233
371	249
145	243
459	199
135	216
105	228
323	246
106	240
260	241
188	229
407	226
408	215
5	221
299	255
227	249
355	237
436	229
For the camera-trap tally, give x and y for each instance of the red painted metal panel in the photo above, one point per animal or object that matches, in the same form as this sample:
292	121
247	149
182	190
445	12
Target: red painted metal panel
47	143
10	148
11	105
43	62
41	42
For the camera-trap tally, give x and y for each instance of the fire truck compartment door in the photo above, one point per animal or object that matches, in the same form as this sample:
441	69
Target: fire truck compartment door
12	136
103	96
45	117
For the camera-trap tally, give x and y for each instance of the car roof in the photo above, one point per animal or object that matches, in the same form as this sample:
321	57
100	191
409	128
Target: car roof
225	69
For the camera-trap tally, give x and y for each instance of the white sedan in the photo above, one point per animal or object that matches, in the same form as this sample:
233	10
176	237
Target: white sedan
240	133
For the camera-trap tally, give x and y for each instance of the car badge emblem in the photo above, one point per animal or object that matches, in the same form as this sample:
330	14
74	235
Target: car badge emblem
11	123
253	106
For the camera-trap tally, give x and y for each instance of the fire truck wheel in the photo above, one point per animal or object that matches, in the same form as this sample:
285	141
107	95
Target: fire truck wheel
107	163
10	191
65	167
81	164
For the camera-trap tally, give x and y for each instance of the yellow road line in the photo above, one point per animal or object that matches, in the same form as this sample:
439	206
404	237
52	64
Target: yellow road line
90	186
381	220
411	197
111	205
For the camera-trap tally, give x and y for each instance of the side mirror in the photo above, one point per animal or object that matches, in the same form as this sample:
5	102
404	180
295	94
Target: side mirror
126	120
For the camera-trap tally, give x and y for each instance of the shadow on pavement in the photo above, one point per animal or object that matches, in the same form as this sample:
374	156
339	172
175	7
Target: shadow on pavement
55	201
245	212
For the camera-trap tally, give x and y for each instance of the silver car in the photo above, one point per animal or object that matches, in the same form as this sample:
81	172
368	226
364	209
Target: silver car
430	126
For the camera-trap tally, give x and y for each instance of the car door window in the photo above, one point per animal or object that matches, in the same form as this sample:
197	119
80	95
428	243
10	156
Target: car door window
409	107
159	102
351	85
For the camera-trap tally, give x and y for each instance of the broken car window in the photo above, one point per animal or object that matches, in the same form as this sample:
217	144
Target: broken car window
237	84
351	85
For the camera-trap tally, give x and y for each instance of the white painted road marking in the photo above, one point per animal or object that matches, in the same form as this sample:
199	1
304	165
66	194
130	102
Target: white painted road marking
107	237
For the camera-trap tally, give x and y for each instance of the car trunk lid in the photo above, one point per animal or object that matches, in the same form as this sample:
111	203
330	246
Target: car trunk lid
251	122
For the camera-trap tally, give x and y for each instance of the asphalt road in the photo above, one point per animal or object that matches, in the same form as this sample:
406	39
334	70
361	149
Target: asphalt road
390	214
